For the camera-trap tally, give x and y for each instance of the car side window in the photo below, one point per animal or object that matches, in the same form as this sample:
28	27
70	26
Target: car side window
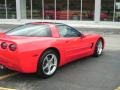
66	31
32	30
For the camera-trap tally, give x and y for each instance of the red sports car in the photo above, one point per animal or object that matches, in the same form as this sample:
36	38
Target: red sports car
42	47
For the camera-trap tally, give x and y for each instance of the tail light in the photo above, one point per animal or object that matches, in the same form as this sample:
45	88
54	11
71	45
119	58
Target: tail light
12	47
3	45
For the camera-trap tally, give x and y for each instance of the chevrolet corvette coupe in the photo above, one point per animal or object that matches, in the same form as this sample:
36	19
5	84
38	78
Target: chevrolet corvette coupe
42	47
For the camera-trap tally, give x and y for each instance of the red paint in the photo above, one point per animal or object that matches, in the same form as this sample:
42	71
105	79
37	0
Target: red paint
29	49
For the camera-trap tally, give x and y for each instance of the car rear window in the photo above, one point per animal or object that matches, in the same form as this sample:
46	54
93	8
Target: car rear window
34	30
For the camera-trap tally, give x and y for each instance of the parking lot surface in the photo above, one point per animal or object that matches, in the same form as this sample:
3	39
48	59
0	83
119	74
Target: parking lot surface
89	73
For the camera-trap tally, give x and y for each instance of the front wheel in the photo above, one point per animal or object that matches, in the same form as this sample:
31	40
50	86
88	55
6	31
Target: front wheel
48	64
98	48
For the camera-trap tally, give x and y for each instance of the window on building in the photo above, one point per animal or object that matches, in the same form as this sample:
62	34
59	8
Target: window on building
28	9
74	9
117	11
107	9
88	9
11	9
2	9
61	10
49	9
34	9
37	9
7	9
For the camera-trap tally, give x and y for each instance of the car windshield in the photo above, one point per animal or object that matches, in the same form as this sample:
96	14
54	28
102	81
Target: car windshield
34	30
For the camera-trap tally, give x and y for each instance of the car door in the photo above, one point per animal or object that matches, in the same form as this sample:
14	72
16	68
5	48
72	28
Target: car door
75	45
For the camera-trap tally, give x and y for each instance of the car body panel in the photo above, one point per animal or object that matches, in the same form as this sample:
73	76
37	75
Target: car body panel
29	49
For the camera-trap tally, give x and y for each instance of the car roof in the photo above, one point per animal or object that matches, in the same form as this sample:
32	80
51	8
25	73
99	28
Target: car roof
54	23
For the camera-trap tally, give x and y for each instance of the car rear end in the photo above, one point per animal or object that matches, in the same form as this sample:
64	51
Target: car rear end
8	54
21	47
18	55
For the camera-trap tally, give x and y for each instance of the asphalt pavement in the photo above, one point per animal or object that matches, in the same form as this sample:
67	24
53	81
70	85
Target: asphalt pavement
102	73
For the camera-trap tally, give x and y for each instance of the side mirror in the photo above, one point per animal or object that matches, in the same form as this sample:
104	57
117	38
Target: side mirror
82	36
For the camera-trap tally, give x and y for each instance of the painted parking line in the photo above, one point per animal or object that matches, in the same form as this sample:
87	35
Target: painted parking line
2	88
7	76
118	88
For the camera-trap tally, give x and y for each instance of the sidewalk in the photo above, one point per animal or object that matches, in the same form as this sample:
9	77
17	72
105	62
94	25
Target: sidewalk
81	24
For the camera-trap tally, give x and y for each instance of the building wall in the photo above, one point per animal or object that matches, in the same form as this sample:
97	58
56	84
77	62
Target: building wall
76	10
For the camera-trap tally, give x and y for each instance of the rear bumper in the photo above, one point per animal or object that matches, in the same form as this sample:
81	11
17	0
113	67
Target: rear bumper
9	63
24	62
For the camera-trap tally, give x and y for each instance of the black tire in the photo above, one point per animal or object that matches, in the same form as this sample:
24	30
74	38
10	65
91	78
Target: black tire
96	52
40	71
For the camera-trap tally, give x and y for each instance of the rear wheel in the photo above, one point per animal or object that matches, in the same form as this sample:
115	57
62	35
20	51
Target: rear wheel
98	48
48	64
